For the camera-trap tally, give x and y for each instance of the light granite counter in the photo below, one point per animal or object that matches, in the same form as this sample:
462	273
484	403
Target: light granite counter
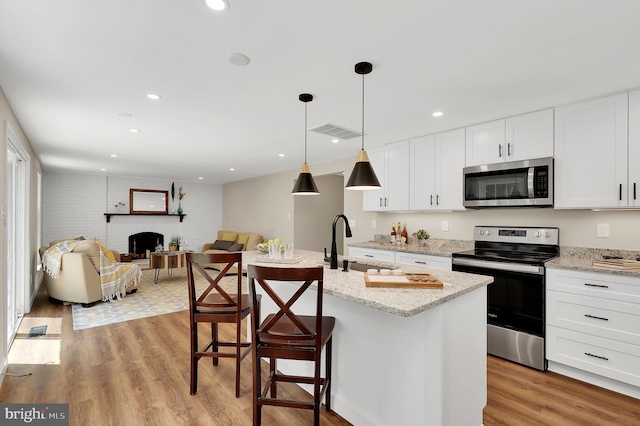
580	258
423	352
433	247
404	302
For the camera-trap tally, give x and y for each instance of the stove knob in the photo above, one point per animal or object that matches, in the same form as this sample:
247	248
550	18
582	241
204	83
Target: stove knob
538	234
481	232
488	232
547	234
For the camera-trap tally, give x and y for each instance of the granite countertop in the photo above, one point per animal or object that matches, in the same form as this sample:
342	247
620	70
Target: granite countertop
580	258
443	248
404	302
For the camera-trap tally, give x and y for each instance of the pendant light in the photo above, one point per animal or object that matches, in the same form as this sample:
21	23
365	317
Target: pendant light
305	184
363	177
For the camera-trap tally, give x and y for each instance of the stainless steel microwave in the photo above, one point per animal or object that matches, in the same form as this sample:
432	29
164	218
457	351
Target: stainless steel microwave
512	184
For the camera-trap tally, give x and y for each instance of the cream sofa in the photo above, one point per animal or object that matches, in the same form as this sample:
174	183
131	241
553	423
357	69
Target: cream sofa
249	241
79	278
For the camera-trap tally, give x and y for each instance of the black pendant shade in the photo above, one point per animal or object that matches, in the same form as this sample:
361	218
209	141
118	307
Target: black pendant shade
304	184
363	177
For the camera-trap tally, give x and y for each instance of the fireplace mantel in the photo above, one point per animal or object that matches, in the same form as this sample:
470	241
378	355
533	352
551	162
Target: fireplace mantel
108	215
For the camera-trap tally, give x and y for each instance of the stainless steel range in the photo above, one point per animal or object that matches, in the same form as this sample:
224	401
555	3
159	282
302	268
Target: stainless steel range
514	257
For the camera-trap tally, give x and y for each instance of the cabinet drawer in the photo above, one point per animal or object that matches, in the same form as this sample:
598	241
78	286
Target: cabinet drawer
373	254
424	260
613	287
608	358
600	317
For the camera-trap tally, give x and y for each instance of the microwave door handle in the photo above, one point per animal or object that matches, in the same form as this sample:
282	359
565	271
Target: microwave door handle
530	182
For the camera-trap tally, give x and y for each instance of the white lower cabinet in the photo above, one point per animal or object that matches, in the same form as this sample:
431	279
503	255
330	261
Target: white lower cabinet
372	254
593	324
438	262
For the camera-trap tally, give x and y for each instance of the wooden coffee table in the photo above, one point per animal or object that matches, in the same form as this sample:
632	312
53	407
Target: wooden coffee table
166	260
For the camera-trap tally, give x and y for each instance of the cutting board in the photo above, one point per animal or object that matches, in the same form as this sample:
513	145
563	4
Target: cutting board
406	281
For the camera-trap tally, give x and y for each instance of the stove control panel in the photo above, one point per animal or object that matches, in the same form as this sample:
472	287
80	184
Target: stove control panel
521	234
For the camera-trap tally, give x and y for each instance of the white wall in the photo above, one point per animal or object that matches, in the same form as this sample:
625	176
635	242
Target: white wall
265	204
74	205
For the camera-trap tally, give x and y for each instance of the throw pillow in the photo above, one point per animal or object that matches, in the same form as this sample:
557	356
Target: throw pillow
222	245
235	247
230	236
106	251
243	239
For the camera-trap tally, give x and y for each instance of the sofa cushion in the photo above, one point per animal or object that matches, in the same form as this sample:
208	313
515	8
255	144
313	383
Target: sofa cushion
235	247
229	236
243	239
106	251
92	250
222	244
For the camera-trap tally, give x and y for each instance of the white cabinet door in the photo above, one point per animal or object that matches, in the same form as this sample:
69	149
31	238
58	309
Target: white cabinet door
591	153
397	175
422	181
437	262
374	200
529	136
391	165
372	254
450	147
485	143
633	193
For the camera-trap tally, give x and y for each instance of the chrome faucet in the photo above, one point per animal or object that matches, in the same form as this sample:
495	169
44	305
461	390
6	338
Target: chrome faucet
334	250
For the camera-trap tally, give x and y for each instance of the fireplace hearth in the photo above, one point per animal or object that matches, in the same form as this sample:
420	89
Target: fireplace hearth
141	242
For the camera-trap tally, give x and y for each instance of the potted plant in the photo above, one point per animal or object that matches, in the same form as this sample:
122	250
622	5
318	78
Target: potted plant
422	237
173	244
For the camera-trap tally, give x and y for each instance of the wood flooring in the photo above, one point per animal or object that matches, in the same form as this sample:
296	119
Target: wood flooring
137	373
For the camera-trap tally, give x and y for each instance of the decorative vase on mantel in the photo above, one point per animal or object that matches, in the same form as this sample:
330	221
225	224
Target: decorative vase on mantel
180	207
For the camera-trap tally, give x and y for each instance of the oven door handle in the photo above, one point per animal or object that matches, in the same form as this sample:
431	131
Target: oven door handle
501	266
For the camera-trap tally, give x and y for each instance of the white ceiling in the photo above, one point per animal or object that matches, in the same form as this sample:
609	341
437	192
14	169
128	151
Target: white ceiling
68	67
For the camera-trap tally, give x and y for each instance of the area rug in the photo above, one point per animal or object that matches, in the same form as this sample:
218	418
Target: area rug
168	295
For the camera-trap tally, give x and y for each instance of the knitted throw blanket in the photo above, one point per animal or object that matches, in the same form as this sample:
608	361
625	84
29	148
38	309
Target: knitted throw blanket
115	277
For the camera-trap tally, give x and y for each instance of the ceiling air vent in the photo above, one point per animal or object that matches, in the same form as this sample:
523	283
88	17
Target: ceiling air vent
336	131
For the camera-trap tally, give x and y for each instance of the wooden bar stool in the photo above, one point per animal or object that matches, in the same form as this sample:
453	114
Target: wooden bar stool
285	335
215	305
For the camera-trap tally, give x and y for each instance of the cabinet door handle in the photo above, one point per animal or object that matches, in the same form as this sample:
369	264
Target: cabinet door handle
420	262
596	285
596	356
386	202
437	199
380	201
594	317
368	255
634	190
620	192
500	151
431	199
508	150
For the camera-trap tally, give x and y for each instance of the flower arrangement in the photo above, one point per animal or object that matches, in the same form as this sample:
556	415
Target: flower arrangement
175	241
421	234
181	193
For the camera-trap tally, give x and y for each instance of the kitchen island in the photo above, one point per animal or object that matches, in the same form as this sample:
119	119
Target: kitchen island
401	356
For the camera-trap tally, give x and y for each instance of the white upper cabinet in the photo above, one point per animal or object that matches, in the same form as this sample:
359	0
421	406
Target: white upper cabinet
391	164
485	143
523	137
529	136
436	180
591	142
633	193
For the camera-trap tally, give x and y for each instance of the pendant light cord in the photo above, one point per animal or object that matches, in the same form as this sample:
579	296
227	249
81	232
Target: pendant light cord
305	132
363	112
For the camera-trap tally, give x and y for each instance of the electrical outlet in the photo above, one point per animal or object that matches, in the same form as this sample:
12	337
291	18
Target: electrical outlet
352	223
373	223
445	225
602	230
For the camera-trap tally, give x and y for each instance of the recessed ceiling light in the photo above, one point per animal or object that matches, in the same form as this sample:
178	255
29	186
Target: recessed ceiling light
239	59
103	170
335	140
280	155
134	130
232	169
125	114
217	5
114	155
200	178
438	114
153	96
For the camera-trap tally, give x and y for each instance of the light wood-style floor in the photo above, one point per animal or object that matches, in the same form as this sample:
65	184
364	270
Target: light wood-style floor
137	373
